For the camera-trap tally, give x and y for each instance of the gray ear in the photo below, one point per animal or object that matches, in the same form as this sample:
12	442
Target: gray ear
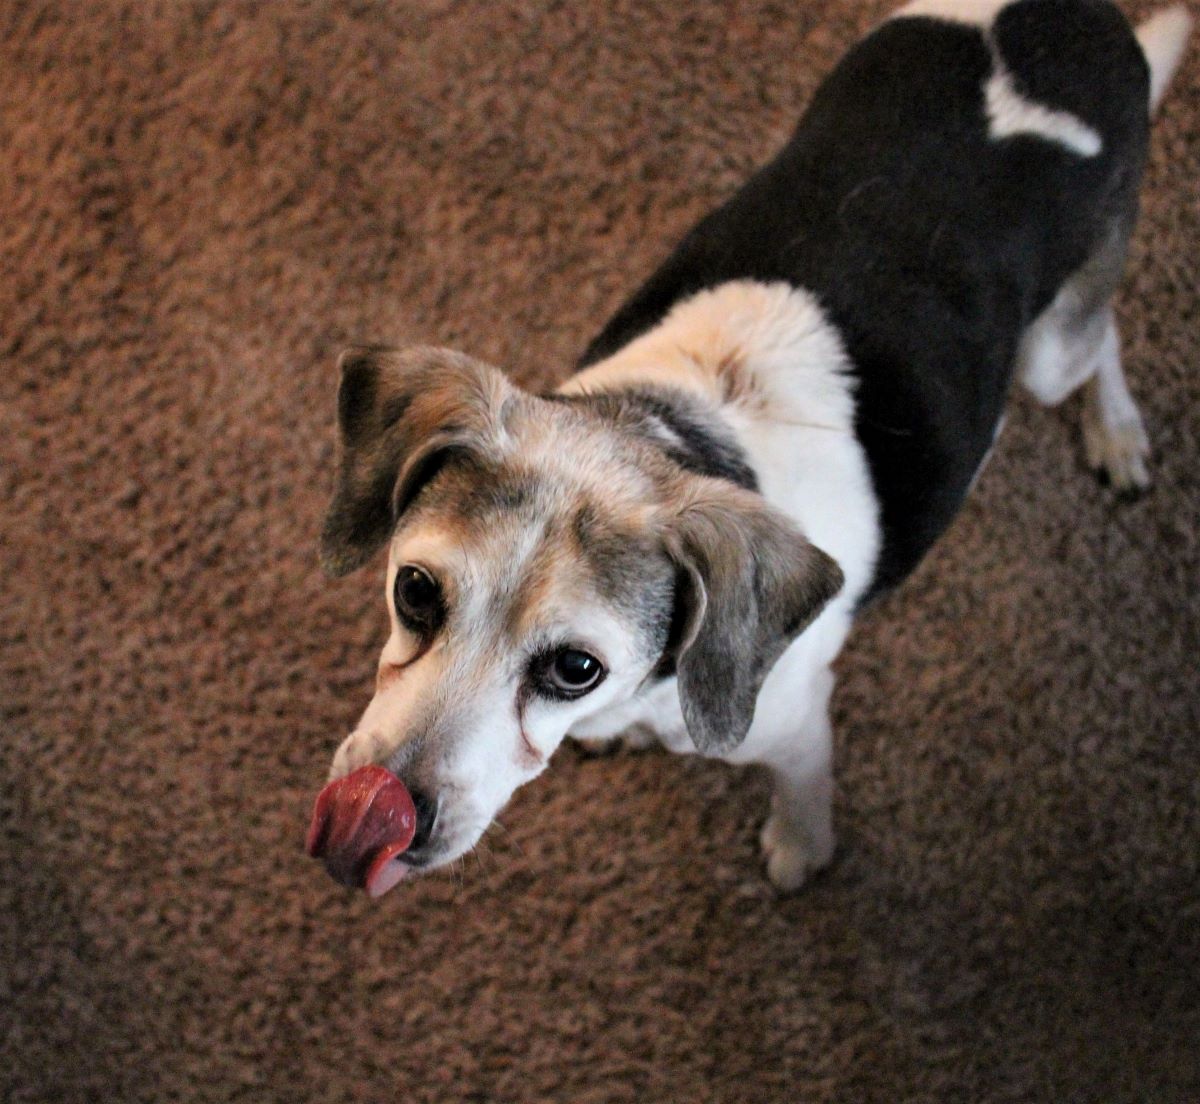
750	583
400	414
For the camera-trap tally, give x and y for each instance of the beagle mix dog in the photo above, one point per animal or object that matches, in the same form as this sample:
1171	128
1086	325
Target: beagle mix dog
766	436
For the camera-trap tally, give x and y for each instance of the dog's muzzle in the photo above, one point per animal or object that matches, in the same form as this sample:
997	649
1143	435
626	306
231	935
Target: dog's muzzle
361	826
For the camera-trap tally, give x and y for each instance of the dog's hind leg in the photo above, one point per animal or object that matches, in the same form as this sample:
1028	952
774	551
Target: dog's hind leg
1074	343
1061	353
1114	436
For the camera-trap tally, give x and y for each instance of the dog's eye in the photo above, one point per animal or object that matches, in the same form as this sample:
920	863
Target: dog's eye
418	599
569	673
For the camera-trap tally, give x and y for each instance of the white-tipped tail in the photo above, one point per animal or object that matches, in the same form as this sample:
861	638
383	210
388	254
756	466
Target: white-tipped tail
1163	37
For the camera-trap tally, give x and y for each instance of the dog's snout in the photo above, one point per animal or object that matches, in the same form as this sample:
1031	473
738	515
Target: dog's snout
427	808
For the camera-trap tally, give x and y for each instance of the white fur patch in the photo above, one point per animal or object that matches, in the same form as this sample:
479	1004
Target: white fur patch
1162	38
977	13
1009	114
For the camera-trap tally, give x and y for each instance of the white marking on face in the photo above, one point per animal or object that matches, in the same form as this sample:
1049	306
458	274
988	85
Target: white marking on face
389	715
610	639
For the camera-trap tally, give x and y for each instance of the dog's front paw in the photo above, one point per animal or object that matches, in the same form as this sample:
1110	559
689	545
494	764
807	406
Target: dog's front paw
791	853
638	737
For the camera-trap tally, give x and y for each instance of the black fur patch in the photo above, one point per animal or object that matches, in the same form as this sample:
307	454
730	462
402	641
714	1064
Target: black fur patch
356	396
930	245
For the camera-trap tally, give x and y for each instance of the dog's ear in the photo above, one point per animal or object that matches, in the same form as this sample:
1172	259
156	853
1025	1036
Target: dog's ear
401	414
749	583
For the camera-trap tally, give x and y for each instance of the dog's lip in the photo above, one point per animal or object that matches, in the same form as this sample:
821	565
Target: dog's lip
387	870
391	866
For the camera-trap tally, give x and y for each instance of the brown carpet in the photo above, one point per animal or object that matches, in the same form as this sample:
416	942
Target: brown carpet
201	204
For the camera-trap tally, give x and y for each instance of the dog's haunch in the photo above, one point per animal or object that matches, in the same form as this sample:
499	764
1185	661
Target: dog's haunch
361	826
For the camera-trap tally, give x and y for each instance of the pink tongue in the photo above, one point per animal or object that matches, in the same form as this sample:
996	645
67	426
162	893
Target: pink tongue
361	825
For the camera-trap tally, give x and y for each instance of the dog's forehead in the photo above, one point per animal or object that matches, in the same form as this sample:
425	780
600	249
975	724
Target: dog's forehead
534	537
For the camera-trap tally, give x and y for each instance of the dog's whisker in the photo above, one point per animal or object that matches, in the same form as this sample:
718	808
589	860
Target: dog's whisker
485	849
509	838
481	846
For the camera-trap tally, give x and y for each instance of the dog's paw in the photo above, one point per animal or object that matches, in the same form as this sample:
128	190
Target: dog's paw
1117	452
639	737
636	738
790	852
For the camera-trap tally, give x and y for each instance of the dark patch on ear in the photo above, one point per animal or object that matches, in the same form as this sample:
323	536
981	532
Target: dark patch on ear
356	394
752	582
401	415
418	475
393	409
821	581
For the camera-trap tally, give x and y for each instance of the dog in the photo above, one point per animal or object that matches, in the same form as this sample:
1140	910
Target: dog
767	436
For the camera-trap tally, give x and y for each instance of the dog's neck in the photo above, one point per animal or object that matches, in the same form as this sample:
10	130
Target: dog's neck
686	430
765	375
745	351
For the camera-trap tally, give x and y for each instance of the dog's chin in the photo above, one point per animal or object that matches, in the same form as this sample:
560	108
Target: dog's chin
447	845
411	865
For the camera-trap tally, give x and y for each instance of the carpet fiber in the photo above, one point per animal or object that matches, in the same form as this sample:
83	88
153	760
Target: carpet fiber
202	203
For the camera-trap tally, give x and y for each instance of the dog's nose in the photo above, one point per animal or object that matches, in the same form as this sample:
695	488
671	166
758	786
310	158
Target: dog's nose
427	809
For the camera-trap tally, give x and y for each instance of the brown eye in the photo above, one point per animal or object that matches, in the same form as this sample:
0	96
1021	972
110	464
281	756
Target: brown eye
418	599
568	673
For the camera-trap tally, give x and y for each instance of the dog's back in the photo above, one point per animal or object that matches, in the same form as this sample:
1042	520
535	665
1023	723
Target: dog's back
777	426
951	176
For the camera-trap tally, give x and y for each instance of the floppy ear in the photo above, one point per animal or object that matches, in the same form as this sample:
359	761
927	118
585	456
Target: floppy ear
749	583
401	413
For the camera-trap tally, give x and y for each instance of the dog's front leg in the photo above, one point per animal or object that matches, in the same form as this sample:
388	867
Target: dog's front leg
797	839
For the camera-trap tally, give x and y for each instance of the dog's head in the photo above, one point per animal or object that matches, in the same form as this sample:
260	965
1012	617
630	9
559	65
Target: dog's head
547	560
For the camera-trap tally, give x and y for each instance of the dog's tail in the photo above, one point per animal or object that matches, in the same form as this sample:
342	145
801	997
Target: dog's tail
1162	38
